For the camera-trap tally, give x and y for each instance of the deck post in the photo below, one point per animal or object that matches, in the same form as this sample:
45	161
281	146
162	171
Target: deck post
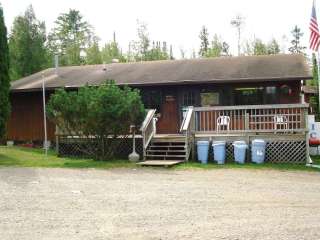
246	121
307	135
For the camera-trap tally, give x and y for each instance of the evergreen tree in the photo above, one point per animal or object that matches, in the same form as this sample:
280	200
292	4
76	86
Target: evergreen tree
27	48
225	49
4	76
171	57
273	47
216	47
93	54
111	51
259	48
296	46
141	47
204	44
70	38
314	100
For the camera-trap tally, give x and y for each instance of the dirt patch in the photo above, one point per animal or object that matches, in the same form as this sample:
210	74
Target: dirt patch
158	204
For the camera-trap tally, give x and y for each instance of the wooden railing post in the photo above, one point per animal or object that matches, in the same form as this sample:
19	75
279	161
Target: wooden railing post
246	121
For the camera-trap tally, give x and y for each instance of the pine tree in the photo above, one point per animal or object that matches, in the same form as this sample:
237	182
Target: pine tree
273	47
259	48
204	38
4	76
314	100
93	54
27	50
295	42
70	38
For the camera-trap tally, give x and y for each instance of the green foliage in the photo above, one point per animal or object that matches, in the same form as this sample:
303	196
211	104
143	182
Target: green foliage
100	114
273	47
70	37
314	100
259	48
4	77
93	53
204	41
143	51
28	52
296	46
112	51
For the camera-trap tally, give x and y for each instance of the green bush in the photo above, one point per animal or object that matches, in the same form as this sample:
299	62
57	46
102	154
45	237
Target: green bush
99	114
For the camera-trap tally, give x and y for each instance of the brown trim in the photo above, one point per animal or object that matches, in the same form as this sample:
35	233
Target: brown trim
177	83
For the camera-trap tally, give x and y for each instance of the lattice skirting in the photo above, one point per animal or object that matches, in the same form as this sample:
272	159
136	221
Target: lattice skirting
71	147
276	152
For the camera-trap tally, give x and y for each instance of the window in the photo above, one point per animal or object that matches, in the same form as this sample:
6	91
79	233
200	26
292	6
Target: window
270	95
210	99
248	96
188	99
152	99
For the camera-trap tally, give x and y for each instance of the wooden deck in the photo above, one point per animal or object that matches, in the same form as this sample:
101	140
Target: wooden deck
160	163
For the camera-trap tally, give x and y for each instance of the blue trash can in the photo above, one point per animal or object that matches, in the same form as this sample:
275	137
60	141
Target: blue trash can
219	151
258	151
239	149
203	151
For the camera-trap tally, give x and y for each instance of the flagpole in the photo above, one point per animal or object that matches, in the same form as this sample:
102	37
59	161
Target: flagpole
318	69
44	116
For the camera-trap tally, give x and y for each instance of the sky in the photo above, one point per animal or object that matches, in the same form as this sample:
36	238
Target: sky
178	22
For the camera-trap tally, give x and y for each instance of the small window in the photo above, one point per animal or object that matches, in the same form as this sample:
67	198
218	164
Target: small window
188	99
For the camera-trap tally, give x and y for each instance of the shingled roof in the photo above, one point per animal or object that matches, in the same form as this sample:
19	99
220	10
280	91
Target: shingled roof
176	72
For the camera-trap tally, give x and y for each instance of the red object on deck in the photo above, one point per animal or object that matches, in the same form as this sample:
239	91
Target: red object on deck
314	141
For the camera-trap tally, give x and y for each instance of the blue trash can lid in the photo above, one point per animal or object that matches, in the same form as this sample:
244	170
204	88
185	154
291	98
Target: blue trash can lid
202	142
218	143
241	146
259	141
239	143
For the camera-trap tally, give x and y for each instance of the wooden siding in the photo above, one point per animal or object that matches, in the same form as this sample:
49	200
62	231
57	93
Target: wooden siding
26	120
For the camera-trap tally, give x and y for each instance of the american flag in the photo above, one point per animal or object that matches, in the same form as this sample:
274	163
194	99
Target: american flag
314	34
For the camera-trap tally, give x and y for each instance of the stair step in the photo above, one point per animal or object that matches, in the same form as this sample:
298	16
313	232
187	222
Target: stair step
168	143
169	150
167	146
158	155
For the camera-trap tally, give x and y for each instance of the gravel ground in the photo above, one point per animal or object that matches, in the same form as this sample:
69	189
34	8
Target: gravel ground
158	204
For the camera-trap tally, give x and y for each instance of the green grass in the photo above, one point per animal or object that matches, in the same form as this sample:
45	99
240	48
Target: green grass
266	166
27	157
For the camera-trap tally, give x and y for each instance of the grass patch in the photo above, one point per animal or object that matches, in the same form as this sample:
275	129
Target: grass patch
29	157
316	160
267	166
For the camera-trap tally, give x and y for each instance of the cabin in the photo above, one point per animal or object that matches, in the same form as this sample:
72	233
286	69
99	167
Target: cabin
229	98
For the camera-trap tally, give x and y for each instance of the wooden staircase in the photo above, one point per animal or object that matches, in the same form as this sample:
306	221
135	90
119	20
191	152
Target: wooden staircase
165	150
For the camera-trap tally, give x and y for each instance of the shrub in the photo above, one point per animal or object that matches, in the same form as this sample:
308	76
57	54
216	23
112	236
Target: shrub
98	114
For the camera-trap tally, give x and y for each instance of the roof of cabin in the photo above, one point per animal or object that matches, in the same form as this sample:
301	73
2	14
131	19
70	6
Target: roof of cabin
176	72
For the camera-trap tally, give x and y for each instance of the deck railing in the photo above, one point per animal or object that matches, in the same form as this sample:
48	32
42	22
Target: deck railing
251	118
148	129
187	128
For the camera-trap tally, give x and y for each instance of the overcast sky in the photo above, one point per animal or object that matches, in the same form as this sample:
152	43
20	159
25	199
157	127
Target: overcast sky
177	22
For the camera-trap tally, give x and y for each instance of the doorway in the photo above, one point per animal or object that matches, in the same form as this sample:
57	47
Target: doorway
168	120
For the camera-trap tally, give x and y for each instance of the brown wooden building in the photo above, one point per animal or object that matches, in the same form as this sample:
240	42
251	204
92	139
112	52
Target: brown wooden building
168	86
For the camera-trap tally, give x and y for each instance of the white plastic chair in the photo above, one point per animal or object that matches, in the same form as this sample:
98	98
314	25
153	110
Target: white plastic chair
280	120
223	121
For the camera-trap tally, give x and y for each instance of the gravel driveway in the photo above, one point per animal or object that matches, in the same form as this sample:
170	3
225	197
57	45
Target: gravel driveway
158	204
